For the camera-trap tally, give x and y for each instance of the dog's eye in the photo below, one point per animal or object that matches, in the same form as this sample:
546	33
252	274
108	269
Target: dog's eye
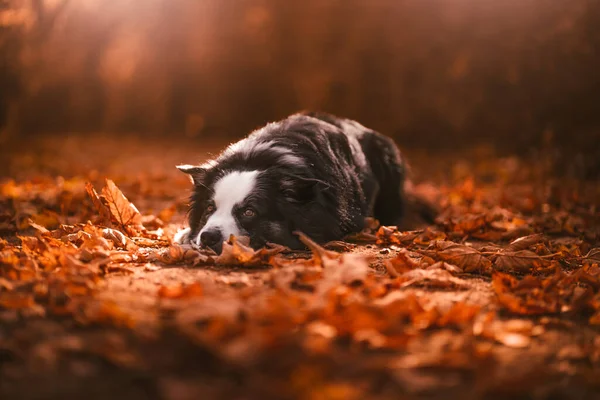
210	208
248	213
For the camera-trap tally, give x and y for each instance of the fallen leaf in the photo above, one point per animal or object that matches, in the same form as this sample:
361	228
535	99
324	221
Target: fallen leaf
121	209
38	227
403	262
521	261
437	278
120	240
464	257
593	256
236	253
525	242
102	209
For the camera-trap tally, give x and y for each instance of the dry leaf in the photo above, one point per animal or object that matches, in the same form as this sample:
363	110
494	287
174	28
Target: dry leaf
433	278
464	257
593	256
236	253
120	240
121	209
38	227
97	202
176	254
525	242
521	261
403	262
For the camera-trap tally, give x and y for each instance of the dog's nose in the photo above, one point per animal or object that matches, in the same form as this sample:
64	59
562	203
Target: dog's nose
211	238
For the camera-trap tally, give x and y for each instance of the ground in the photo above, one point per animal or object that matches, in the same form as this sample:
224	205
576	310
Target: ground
498	299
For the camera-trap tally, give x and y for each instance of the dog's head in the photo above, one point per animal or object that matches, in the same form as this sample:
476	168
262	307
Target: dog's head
266	205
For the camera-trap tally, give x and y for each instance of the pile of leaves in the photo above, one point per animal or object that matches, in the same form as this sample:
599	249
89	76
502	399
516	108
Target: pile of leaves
94	294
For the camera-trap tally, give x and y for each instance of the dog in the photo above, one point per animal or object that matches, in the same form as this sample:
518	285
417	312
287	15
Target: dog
311	172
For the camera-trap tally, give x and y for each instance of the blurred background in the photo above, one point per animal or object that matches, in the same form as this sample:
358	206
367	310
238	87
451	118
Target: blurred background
516	75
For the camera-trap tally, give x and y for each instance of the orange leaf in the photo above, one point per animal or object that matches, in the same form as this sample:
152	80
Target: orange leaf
100	207
121	209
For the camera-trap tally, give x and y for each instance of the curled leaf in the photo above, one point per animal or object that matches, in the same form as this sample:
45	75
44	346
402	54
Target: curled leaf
97	202
121	209
237	253
525	242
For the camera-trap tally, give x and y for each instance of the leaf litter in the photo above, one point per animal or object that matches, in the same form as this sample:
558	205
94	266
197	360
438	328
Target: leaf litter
427	310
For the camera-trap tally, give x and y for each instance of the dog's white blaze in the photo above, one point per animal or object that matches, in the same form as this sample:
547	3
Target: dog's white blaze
229	190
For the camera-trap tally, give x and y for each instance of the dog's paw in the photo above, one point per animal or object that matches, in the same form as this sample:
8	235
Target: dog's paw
182	237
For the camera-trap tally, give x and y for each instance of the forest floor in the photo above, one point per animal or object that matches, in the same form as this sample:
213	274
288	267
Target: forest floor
500	298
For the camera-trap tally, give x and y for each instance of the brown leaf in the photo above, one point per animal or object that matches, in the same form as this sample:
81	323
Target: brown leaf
387	235
37	227
530	296
361	237
453	269
464	257
236	253
121	209
525	242
403	263
338	269
438	278
152	222
120	240
429	235
593	256
100	207
338	245
319	253
520	261
176	254
46	218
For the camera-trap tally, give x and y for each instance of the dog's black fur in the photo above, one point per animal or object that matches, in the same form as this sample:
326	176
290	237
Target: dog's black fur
320	175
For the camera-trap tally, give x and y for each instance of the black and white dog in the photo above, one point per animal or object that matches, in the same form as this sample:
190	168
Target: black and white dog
311	172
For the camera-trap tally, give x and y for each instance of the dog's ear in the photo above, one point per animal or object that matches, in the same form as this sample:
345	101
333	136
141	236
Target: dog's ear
196	173
296	189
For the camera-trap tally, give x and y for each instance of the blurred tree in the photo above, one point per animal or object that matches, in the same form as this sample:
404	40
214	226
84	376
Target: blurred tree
430	72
